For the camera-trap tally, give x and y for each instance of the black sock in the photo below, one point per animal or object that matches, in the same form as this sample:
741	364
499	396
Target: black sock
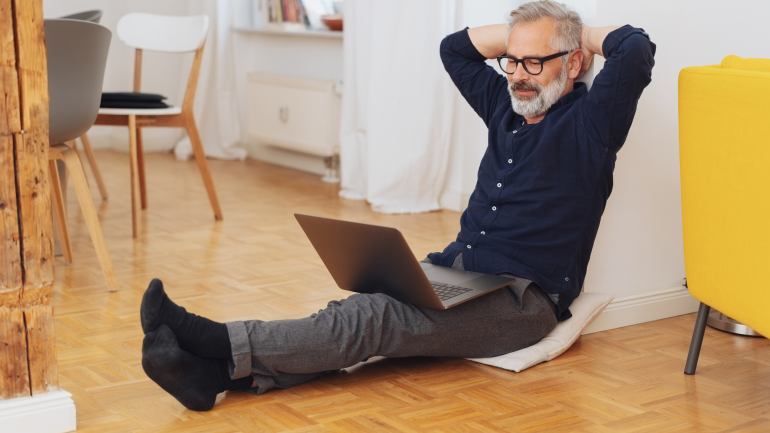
192	380
195	334
228	384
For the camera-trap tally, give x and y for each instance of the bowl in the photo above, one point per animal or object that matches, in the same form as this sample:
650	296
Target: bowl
334	22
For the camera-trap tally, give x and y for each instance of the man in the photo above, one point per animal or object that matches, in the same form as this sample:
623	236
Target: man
542	187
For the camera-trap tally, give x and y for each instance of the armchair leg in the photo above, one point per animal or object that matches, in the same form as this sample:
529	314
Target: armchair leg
697	339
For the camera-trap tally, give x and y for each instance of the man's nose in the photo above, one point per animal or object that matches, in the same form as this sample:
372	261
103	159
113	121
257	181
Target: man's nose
520	74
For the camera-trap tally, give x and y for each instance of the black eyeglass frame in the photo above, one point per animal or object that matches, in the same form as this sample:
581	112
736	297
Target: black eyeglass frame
542	61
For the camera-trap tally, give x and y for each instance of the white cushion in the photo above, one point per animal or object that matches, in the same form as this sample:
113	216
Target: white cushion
585	309
168	111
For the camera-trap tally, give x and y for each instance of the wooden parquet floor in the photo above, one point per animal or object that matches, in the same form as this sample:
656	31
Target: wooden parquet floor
258	264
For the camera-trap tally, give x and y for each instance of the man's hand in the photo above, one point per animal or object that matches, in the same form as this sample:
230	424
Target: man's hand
588	55
491	41
591	40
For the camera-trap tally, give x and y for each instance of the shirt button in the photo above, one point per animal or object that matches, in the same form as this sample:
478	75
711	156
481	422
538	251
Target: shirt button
499	185
483	232
522	122
566	279
515	131
510	161
469	247
494	207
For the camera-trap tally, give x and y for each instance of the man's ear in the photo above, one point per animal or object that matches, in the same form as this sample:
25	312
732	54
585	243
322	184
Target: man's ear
575	64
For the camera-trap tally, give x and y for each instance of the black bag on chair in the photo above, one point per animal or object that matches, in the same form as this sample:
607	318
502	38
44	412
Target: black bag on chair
132	100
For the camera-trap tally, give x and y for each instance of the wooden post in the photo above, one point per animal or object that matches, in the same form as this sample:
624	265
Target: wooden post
27	341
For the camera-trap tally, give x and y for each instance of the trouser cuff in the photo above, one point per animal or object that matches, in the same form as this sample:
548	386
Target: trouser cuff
241	350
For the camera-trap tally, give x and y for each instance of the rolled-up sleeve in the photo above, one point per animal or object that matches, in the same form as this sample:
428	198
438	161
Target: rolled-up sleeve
482	86
241	350
611	103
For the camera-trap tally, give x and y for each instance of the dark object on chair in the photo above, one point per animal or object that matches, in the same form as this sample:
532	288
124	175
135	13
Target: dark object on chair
132	100
77	56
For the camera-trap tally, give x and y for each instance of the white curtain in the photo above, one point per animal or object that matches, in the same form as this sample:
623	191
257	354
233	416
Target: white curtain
397	104
216	110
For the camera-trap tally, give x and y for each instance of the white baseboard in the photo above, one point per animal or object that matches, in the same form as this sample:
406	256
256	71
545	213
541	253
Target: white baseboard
644	307
52	412
286	158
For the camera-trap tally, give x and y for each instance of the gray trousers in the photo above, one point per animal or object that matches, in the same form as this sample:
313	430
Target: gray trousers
285	353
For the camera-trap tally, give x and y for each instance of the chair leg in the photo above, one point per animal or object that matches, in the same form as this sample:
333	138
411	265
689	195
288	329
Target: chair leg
60	216
78	176
72	144
697	339
203	165
140	166
135	200
94	167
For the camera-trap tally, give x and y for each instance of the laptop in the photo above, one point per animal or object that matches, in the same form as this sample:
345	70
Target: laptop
366	258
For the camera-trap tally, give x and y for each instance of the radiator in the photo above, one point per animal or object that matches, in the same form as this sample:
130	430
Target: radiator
300	114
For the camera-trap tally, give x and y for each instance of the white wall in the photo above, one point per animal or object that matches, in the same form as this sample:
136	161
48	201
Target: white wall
639	246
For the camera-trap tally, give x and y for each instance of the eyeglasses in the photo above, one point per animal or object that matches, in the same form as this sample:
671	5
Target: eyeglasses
532	65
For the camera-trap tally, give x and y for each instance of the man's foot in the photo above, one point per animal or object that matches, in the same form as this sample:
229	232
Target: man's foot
195	334
152	310
192	380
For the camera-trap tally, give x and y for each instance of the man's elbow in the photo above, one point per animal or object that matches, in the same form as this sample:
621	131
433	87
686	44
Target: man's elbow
642	44
445	50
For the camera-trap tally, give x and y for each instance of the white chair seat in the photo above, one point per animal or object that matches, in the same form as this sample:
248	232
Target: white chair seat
141	111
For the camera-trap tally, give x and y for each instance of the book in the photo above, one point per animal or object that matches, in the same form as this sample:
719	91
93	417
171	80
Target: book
288	14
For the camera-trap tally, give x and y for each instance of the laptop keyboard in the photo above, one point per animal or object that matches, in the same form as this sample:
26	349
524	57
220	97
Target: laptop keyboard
448	291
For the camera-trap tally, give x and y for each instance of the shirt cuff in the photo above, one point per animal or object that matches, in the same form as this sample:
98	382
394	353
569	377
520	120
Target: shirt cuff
461	44
617	36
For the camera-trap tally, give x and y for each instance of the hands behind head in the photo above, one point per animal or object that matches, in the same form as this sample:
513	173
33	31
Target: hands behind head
588	55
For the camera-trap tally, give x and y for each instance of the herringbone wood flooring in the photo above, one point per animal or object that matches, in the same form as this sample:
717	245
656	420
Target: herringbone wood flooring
258	264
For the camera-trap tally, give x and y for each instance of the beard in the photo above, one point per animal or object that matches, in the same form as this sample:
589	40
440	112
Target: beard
540	103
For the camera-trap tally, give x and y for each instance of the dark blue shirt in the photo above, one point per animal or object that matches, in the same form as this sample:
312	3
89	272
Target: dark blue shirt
542	188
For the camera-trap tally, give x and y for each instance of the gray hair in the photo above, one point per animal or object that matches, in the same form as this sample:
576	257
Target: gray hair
567	29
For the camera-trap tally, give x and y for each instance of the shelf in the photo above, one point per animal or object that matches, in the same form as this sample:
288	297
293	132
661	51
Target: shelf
301	33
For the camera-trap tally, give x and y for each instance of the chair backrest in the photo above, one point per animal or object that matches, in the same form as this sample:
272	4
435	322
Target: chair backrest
93	16
171	34
735	62
77	56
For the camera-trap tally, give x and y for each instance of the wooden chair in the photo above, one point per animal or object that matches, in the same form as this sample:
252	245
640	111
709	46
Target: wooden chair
77	57
171	34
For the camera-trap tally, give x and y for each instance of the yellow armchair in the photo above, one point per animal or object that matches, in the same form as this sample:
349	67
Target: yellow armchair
724	154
